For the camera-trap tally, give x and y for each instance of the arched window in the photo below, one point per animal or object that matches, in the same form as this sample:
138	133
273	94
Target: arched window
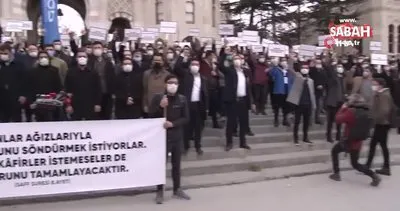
189	12
391	38
213	15
398	39
159	11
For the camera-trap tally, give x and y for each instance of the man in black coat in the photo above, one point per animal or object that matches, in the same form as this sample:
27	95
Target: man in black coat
174	108
195	90
237	97
13	89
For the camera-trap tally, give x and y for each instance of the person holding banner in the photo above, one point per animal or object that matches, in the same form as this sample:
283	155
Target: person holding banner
175	109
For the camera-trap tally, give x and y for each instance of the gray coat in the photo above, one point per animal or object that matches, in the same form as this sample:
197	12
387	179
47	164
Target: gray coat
297	88
335	92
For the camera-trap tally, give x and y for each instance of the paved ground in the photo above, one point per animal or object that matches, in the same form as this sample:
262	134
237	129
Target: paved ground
311	193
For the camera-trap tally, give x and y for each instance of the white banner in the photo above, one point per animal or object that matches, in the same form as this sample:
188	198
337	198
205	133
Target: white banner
379	59
168	27
79	156
375	46
99	34
307	50
226	29
276	50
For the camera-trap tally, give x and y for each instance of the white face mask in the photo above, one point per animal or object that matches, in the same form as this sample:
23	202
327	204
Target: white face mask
284	64
178	52
98	52
366	74
127	68
319	66
344	61
170	56
374	88
137	58
304	71
57	47
194	69
237	62
82	61
150	53
44	62
261	60
172	88
89	50
5	57
275	61
33	54
340	70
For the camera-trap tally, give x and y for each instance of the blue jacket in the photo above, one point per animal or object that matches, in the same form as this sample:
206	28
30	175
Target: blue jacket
276	76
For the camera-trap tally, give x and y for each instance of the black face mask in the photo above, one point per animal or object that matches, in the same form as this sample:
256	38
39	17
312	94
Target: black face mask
157	66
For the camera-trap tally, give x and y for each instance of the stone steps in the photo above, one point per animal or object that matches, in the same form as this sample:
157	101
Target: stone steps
246	160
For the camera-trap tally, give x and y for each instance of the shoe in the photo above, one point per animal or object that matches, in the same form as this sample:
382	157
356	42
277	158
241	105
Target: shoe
159	197
199	152
329	139
384	171
235	134
249	133
296	142
335	177
286	123
245	146
376	181
276	123
181	195
228	147
308	142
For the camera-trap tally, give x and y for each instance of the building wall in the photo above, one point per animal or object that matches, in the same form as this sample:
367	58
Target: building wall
139	12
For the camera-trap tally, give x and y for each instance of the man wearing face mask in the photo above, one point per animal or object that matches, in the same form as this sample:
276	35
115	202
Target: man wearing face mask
382	114
209	70
174	107
238	99
318	74
366	88
44	79
196	93
13	88
153	81
83	85
128	91
59	53
105	69
171	60
140	63
282	83
260	84
335	97
150	52
58	63
303	97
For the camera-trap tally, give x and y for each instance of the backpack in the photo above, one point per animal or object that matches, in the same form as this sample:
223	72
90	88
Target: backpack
360	130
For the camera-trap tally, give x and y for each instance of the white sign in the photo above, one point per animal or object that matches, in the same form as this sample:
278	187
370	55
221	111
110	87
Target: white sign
99	34
27	25
257	48
155	30
168	27
375	46
379	59
14	26
276	50
307	50
226	29
70	157
194	32
65	39
148	37
133	34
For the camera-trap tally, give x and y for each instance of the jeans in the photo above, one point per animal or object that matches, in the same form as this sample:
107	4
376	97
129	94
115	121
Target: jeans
380	136
176	153
354	155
